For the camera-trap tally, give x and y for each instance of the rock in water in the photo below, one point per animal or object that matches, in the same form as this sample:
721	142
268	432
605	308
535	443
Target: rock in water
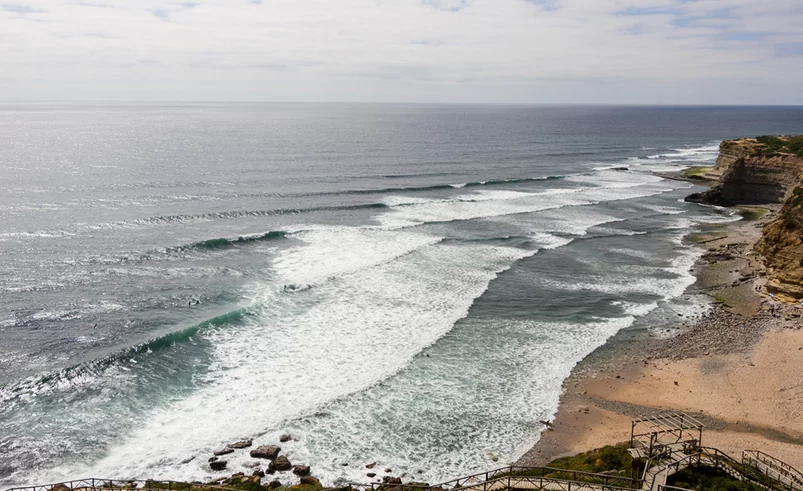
275	484
285	438
223	451
265	452
241	444
391	480
301	470
310	481
218	465
280	463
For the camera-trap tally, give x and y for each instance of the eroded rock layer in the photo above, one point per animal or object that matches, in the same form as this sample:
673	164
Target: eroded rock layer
782	247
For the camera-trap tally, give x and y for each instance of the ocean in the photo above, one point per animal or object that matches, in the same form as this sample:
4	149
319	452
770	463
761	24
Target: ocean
401	284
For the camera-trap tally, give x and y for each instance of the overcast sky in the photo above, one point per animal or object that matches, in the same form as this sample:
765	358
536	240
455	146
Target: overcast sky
534	51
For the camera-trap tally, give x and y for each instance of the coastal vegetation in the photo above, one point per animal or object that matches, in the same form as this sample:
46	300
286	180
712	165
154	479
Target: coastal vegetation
773	145
695	172
608	459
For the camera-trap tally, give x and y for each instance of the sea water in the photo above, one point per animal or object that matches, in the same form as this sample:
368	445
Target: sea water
401	284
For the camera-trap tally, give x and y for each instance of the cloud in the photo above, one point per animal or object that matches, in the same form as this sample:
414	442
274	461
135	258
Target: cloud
403	50
16	8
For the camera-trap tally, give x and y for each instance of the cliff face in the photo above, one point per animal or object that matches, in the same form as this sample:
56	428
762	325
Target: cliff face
751	171
759	171
782	248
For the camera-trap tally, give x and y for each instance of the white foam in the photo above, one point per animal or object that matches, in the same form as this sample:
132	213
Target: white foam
570	220
497	203
499	195
405	200
642	279
639	309
302	352
331	251
702	153
666	210
460	424
550	241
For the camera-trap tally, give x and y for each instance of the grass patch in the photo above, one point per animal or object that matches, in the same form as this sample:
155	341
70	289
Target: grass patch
753	214
695	172
613	460
605	459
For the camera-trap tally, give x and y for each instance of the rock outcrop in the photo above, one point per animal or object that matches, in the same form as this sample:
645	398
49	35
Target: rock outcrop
280	463
754	171
265	452
781	245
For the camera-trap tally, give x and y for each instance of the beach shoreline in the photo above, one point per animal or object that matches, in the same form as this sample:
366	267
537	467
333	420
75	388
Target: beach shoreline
736	368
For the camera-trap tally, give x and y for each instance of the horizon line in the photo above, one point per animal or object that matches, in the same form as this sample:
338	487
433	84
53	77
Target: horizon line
419	103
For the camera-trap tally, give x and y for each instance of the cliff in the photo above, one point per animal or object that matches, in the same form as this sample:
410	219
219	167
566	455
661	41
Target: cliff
754	171
781	245
766	170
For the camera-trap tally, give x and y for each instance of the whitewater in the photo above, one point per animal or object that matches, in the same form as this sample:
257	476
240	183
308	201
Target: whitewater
395	284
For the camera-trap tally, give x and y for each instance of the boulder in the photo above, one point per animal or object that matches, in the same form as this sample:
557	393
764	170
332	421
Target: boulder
371	465
391	480
265	452
280	463
241	444
212	459
388	470
274	484
259	473
310	481
371	474
218	465
301	470
223	451
285	438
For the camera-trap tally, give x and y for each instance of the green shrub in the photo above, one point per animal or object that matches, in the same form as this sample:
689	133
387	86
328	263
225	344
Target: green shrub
709	479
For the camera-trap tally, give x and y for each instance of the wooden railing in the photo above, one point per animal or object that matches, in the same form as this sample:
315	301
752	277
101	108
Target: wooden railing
517	477
97	484
774	468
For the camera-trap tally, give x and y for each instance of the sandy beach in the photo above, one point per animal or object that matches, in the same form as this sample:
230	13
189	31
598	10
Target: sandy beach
739	368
